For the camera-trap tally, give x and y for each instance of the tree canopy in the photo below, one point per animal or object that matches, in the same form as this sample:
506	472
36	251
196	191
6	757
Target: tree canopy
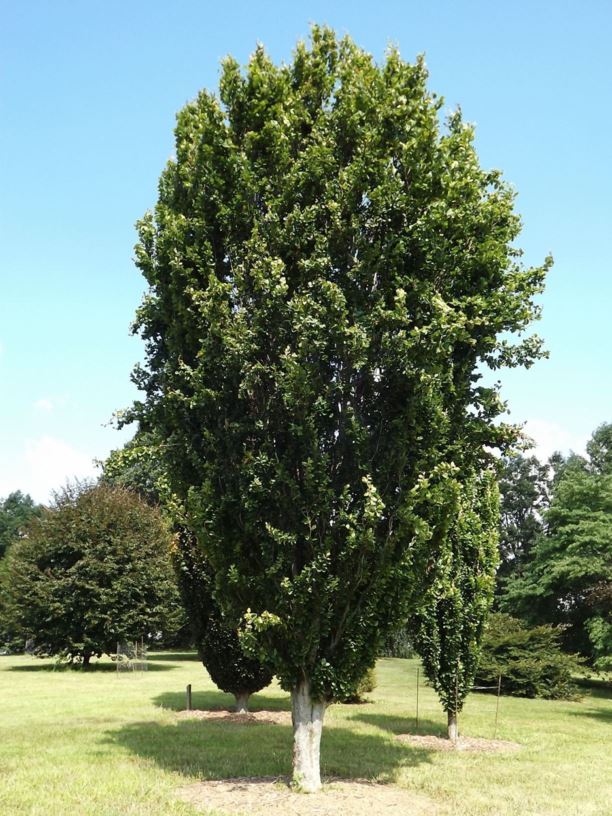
216	639
568	580
524	488
329	270
16	511
93	570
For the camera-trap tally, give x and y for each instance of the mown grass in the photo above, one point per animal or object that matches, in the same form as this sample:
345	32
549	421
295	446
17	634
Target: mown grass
95	744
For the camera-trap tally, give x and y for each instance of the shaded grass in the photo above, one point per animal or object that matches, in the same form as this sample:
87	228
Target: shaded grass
94	742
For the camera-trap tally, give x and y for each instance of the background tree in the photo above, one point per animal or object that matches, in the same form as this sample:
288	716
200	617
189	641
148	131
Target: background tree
139	466
93	570
524	489
216	640
528	659
449	625
16	511
568	581
328	272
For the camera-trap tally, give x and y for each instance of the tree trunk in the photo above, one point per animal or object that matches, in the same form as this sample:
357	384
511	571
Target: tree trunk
242	702
86	659
453	726
307	716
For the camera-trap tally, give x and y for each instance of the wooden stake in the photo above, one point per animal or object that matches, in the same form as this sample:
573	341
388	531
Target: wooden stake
416	728
189	697
497	706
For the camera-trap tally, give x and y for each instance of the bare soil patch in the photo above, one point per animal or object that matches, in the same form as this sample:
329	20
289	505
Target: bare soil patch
261	797
251	718
479	744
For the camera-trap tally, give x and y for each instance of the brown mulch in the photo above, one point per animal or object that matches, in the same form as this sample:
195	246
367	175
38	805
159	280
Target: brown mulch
252	718
268	795
463	743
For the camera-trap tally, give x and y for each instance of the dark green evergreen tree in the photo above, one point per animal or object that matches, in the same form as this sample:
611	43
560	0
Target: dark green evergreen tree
524	487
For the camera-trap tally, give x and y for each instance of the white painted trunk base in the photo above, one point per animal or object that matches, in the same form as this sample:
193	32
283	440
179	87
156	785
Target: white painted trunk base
453	727
307	718
242	703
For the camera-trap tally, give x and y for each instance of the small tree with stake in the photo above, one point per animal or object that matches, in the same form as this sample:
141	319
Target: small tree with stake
217	642
327	273
449	626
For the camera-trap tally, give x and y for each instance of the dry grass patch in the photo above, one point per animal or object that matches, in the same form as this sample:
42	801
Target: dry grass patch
250	718
261	797
478	744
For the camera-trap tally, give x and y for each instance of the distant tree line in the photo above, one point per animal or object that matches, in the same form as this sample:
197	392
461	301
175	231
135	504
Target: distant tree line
556	545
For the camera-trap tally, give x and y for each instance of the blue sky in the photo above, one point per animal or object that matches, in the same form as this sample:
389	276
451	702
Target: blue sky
88	95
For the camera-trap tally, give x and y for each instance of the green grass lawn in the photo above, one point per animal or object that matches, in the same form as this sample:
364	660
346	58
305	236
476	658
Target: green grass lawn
95	743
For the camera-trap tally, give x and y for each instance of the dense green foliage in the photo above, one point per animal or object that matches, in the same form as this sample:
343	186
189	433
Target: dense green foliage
529	660
139	466
450	622
524	488
568	579
16	511
398	643
327	272
217	642
92	571
366	685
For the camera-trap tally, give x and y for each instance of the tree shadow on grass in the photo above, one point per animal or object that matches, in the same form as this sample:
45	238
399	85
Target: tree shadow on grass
213	700
402	725
605	715
214	749
183	657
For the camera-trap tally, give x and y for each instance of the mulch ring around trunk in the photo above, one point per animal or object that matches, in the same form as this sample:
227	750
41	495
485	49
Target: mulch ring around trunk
251	718
487	746
266	795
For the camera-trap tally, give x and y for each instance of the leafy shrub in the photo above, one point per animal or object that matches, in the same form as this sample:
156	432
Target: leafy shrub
529	660
366	685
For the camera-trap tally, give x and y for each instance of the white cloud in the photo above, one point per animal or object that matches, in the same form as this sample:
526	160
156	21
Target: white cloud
550	437
48	463
44	405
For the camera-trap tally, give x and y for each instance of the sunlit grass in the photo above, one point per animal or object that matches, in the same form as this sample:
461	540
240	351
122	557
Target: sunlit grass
95	743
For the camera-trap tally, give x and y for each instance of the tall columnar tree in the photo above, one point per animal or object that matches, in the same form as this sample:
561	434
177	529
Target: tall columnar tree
93	570
328	272
449	625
